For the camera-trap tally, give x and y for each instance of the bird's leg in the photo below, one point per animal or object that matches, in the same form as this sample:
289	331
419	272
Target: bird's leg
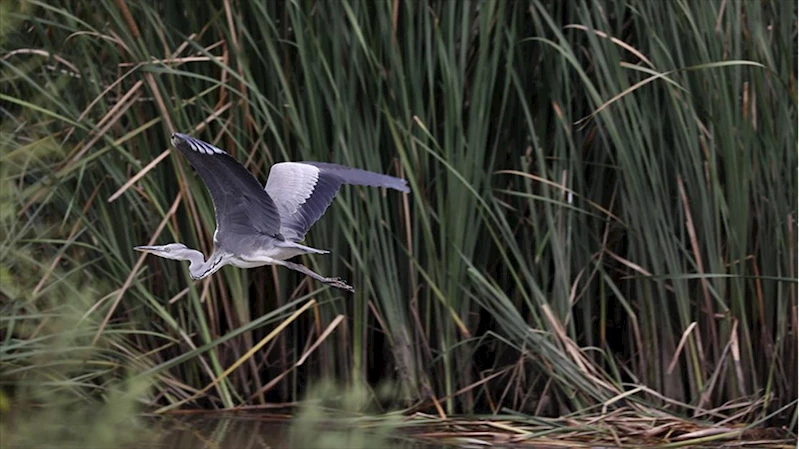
333	282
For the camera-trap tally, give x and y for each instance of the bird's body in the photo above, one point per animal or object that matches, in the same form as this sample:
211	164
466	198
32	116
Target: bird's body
257	225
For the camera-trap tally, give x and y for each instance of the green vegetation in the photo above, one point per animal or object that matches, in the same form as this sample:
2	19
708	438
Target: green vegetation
602	220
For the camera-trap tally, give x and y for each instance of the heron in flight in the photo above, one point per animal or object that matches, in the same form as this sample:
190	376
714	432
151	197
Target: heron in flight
257	225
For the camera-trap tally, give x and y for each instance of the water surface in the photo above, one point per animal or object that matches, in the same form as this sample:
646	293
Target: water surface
269	433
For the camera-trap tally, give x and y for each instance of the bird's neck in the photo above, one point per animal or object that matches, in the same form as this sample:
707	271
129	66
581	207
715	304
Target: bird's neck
197	260
200	268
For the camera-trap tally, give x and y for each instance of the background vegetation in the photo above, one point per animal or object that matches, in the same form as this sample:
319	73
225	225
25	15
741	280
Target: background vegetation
602	216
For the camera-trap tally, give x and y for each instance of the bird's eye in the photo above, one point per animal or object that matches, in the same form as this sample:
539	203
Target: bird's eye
167	250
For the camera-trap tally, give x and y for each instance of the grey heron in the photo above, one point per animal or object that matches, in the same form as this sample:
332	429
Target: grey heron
257	225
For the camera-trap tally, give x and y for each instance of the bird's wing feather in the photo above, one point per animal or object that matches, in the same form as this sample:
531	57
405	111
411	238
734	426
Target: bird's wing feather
242	207
302	191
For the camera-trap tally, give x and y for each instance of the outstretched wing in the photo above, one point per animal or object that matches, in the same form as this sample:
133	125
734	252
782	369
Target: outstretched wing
242	207
302	191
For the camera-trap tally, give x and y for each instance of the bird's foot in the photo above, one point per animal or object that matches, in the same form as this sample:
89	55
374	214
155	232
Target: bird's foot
339	283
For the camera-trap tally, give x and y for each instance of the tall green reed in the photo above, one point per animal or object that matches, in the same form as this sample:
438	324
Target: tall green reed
602	197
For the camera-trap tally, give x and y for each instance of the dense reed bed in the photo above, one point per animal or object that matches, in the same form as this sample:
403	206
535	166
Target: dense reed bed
602	217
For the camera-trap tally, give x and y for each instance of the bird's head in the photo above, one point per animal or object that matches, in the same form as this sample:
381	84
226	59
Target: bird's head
174	251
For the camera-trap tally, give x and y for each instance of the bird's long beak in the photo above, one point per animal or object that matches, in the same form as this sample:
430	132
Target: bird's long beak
145	249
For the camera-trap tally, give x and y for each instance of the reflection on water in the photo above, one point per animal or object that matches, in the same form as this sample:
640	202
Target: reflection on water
207	433
270	432
265	433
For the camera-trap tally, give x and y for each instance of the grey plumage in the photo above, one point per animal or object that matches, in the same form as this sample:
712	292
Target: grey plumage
240	203
329	178
264	225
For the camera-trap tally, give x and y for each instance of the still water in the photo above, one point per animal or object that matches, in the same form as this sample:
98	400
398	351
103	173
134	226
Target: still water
265	433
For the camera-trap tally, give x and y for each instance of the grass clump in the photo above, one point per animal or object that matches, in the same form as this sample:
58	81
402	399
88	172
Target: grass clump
332	417
59	389
62	382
